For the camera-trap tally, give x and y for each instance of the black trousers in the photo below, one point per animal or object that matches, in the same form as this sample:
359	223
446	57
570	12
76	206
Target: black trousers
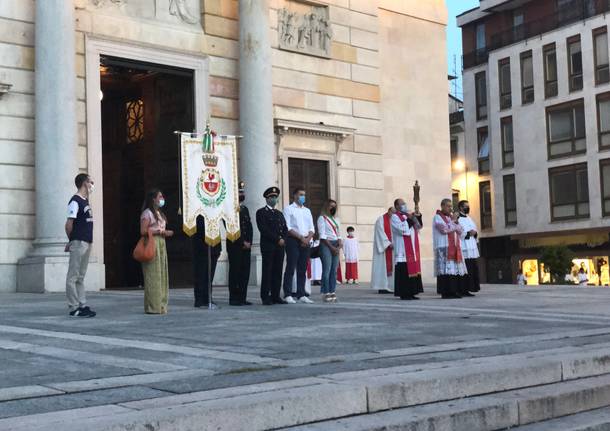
471	281
296	260
200	267
239	271
271	278
405	286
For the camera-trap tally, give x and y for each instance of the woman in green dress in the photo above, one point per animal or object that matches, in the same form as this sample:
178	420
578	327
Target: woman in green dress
156	281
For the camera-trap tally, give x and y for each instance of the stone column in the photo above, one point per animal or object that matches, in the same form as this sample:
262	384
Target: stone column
257	154
257	149
56	145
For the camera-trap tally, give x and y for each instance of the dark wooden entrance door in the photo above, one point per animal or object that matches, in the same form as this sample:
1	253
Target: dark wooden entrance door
312	175
141	107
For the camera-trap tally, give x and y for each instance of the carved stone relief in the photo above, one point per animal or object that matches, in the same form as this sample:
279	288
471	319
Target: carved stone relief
172	11
305	29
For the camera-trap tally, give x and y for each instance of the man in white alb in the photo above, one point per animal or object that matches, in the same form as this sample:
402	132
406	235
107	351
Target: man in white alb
300	232
470	250
382	273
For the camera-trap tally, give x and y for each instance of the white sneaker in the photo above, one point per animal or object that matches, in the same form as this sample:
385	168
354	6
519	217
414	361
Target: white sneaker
289	300
305	300
326	297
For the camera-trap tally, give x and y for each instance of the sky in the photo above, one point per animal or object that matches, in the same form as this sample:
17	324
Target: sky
454	38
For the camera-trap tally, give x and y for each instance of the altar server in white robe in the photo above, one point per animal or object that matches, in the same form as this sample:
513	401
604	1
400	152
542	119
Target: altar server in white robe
382	274
470	250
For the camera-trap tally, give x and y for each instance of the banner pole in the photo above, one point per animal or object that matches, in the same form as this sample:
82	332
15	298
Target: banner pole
209	276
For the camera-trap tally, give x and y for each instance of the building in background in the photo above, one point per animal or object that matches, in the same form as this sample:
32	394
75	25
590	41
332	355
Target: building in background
457	148
345	98
537	118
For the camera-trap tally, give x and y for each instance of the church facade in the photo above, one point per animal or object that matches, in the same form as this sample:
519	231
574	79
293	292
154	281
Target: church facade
346	98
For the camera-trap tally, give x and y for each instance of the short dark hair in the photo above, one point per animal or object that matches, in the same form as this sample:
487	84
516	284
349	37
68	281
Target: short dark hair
446	201
462	203
298	189
396	202
350	228
80	179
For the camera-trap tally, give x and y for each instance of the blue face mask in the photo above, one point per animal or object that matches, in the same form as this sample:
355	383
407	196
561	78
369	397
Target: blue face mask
301	200
272	201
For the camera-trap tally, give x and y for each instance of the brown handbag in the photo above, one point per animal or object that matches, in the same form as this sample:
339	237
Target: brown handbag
145	249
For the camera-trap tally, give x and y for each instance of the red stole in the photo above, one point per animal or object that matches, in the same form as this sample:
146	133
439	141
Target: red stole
454	251
413	261
389	261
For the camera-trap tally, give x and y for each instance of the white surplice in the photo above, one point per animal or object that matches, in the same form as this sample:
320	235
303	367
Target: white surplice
470	248
350	250
379	276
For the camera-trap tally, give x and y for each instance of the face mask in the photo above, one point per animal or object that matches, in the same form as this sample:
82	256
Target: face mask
161	203
91	188
301	200
333	211
403	209
466	210
272	202
242	198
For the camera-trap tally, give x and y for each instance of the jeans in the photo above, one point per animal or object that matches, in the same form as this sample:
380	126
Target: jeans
329	268
77	269
296	259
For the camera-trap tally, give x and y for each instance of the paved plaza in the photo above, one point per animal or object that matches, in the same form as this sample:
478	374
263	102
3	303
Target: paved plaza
54	366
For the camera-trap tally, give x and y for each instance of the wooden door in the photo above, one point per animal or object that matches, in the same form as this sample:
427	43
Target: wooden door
312	175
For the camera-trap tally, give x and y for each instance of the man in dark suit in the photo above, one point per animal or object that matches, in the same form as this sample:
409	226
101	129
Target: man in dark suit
272	226
200	264
239	252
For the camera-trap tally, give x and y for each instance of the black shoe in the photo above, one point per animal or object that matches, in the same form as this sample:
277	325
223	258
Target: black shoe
415	298
206	305
449	296
83	312
236	303
278	301
267	302
467	294
406	298
384	292
246	303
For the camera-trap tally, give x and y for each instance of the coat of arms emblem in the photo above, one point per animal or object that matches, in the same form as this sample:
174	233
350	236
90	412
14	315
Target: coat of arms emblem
211	187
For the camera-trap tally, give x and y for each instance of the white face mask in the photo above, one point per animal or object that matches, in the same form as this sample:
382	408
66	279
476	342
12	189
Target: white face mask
91	188
161	203
404	209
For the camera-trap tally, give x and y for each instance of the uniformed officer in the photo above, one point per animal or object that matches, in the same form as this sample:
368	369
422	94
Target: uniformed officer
239	255
272	226
200	264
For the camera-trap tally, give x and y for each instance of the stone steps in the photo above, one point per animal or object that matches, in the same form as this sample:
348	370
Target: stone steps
504	410
595	420
476	394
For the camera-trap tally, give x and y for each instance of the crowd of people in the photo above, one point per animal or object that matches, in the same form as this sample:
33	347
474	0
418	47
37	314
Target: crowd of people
292	236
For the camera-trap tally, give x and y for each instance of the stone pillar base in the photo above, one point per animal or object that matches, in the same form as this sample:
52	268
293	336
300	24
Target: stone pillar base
42	274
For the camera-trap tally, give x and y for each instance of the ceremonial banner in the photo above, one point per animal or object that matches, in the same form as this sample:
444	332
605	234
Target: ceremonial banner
209	184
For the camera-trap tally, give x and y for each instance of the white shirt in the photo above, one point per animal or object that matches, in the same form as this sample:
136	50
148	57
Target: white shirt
326	228
400	229
299	219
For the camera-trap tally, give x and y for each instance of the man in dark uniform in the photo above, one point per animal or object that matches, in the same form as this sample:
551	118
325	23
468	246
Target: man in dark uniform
272	226
200	264
239	255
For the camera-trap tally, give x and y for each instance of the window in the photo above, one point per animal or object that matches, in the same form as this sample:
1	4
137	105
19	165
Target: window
604	169
510	200
483	149
518	27
600	49
603	120
527	78
508	152
505	89
575	63
455	199
566	129
454	149
480	87
550	71
569	190
481	43
485	204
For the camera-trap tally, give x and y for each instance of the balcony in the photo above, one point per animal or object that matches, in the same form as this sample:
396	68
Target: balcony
574	11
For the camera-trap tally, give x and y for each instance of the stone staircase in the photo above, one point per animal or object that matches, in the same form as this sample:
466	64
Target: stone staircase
559	389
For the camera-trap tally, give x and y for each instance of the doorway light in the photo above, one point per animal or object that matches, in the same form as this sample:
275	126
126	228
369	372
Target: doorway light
101	95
